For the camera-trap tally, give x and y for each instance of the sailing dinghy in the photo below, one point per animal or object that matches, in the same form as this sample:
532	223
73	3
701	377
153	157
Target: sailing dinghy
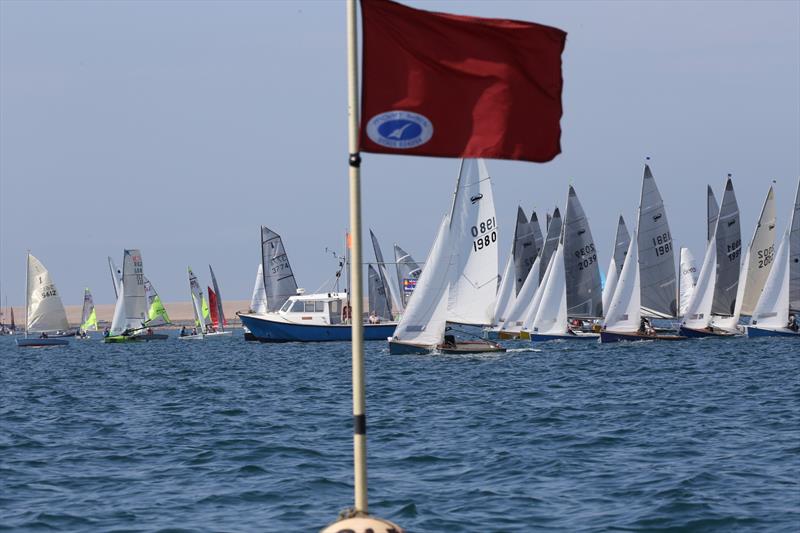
203	310
88	316
623	321
44	311
130	322
459	282
718	281
775	314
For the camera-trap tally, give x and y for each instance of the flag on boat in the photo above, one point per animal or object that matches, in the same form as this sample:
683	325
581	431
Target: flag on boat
438	84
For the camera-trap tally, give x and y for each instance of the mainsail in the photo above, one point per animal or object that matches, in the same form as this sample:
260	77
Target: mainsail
156	312
198	302
220	322
772	309
384	273
88	313
525	249
131	310
538	239
688	279
408	271
551	242
698	310
378	303
622	241
656	255
473	244
794	255
515	319
584	293
728	239
757	260
506	296
258	301
279	282
45	312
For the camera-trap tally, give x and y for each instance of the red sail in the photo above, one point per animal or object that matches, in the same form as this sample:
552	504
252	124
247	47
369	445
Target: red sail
212	306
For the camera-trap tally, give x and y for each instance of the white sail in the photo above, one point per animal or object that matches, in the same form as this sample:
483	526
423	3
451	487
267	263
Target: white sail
622	242
132	301
258	301
473	245
533	308
551	240
279	281
772	309
584	295
758	260
525	300
625	309
551	317
424	320
407	270
525	248
377	298
45	309
688	279
506	295
383	272
116	276
197	302
698	311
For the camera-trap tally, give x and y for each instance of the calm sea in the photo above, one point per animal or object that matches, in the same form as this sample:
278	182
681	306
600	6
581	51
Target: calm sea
228	435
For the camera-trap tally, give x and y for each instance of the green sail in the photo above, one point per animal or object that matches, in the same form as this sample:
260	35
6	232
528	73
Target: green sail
206	311
157	314
91	321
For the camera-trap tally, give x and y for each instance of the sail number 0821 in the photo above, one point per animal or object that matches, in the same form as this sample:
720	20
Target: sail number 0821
485	234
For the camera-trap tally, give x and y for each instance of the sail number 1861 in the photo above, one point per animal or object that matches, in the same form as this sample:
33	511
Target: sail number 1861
662	243
484	234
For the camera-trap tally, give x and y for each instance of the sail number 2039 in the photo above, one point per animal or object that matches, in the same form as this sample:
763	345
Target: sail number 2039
484	234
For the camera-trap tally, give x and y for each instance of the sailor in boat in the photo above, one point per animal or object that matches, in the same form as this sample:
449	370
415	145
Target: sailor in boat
645	327
106	332
792	325
43	335
347	311
194	331
374	318
182	332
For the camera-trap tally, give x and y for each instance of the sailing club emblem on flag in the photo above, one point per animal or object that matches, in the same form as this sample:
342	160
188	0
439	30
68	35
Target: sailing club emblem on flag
399	129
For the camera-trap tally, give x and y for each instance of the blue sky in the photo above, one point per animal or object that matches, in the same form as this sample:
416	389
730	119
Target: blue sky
180	127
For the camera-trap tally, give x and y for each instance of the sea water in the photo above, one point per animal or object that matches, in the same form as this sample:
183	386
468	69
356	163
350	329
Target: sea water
228	435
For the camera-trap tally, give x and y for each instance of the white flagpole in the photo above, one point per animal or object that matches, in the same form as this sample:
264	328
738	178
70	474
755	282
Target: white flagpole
359	412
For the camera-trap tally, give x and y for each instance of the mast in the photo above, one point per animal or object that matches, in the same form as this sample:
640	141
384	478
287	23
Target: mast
357	328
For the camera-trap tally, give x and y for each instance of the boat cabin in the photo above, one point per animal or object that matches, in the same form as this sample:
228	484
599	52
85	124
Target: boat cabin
317	309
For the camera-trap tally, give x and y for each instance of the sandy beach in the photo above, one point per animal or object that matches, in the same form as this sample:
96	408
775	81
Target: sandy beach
179	312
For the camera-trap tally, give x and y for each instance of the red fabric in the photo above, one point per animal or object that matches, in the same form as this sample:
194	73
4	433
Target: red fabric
489	87
212	307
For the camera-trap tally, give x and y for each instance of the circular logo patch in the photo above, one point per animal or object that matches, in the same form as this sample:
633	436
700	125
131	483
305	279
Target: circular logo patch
399	129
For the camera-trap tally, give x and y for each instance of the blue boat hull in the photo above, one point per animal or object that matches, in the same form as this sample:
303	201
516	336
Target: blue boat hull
753	331
536	337
38	343
271	331
700	333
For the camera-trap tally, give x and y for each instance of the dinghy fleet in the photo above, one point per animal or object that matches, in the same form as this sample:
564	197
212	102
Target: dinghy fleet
459	301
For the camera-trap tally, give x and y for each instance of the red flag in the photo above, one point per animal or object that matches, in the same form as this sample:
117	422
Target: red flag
448	85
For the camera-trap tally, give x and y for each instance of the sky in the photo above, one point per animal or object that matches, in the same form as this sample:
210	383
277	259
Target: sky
180	127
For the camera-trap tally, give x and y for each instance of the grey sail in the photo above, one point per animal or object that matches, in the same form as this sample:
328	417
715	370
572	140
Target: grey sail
383	273
525	250
621	244
712	213
657	275
794	255
537	232
584	292
408	272
729	254
378	303
279	281
551	242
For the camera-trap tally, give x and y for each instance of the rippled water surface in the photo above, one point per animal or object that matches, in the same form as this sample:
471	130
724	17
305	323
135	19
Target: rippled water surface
227	435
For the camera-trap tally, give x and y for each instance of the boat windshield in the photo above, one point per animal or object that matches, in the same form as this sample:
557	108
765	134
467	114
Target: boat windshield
286	305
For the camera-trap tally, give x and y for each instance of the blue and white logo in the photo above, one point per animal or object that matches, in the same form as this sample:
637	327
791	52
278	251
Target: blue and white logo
399	129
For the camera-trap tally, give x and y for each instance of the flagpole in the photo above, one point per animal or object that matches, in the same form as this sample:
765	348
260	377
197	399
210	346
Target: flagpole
359	411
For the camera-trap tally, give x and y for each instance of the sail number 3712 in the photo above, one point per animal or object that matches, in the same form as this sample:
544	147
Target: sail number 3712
484	234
